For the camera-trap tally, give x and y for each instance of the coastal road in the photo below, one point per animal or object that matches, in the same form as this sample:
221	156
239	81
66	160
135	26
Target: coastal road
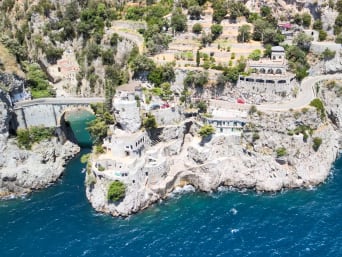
60	100
304	97
306	94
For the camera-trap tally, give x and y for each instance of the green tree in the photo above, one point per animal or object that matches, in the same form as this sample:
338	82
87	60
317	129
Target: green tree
216	30
338	39
206	39
259	27
135	13
265	11
318	25
195	12
221	80
202	106
338	6
197	28
114	39
142	64
306	18
116	191
150	122
255	55
338	24
198	58
97	129
53	54
303	41
178	21
206	130
108	57
244	33
322	35
237	9
27	137
220	10
166	91
197	79
317	141
71	11
37	81
161	74
328	54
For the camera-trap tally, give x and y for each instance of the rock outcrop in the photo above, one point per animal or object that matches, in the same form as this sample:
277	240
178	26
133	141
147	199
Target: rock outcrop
255	162
22	171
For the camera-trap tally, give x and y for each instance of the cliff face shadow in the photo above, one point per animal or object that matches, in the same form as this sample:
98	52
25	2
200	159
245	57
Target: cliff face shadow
66	131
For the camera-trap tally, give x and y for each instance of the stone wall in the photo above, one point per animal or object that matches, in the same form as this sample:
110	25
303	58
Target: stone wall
261	88
47	115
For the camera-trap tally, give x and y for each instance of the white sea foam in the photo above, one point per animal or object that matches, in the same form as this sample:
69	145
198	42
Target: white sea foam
182	190
233	211
234	230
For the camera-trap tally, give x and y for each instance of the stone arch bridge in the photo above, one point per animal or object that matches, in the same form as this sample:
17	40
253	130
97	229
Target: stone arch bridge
48	112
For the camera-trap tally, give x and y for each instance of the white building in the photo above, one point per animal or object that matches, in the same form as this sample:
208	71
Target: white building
227	122
268	77
127	159
122	144
127	104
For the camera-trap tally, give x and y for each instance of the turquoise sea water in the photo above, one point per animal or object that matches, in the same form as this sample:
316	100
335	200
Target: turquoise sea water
58	221
78	122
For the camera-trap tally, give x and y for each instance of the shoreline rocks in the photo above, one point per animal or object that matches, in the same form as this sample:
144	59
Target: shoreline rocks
221	162
23	171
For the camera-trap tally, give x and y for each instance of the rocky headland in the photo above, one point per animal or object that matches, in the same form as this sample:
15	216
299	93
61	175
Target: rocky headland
276	151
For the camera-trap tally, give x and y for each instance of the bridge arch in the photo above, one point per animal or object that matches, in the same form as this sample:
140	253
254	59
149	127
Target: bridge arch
69	109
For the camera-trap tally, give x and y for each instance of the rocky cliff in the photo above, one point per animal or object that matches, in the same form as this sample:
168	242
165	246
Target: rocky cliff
22	171
276	151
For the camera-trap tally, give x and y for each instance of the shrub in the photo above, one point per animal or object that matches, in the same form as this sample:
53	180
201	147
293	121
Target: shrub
116	191
202	106
322	35
216	30
197	28
328	54
150	122
255	137
206	130
37	81
53	54
85	158
255	55
99	149
317	141
252	110
317	103
27	137
281	152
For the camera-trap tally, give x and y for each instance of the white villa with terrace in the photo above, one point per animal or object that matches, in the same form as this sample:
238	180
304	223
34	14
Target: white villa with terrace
228	122
268	77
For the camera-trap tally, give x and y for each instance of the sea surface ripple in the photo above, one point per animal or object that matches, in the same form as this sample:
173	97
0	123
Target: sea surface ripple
59	221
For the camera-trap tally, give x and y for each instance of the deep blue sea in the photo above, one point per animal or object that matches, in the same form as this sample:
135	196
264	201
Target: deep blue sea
59	221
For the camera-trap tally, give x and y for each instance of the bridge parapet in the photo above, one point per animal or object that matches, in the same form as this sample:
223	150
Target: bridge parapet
47	112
